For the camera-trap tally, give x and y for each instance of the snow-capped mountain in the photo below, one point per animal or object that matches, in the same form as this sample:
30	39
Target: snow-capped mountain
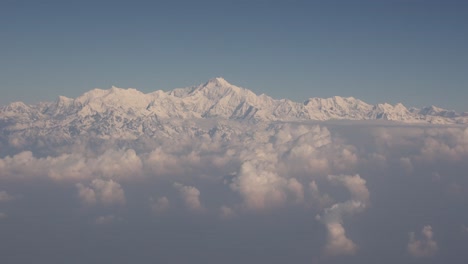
129	113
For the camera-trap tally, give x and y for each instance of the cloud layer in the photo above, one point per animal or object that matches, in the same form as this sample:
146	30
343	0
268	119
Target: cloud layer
384	178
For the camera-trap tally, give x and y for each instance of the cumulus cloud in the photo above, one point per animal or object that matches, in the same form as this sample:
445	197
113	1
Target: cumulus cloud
190	196
445	144
86	194
159	205
115	164
120	164
312	151
337	241
424	247
107	192
318	200
21	165
355	185
431	144
259	185
5	197
296	189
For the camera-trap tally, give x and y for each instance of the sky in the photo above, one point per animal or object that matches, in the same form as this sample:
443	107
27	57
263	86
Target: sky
409	51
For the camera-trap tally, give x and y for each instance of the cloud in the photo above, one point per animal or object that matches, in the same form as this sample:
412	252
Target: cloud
226	212
270	169
318	200
5	197
21	165
257	184
107	192
337	241
159	205
445	144
297	190
191	197
425	247
355	185
3	215
115	164
86	194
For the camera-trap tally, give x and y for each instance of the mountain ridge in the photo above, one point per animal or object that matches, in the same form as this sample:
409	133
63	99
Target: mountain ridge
118	112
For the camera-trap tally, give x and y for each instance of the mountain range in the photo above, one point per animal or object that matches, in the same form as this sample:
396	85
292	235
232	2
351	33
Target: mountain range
127	113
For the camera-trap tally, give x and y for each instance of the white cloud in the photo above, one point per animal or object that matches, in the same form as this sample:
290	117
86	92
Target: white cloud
191	197
297	190
260	186
115	164
22	165
120	164
5	197
159	205
86	194
424	247
318	200
107	192
337	241
67	167
355	185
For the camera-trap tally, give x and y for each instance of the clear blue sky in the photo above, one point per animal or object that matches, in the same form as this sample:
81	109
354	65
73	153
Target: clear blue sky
409	51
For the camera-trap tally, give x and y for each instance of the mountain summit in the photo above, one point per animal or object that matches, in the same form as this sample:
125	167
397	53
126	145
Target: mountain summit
217	82
129	112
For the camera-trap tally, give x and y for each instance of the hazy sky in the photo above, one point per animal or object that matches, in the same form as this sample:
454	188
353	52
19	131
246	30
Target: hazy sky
409	51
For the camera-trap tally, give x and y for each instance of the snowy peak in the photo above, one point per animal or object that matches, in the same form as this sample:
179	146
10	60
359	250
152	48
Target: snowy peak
337	108
218	88
218	98
217	82
436	111
98	100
